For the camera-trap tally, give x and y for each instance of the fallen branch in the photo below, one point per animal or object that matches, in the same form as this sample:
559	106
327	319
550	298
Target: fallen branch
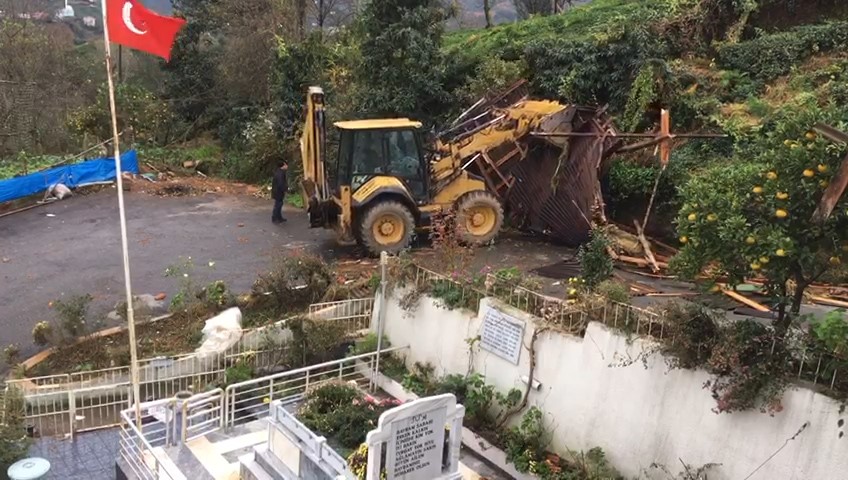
532	348
640	233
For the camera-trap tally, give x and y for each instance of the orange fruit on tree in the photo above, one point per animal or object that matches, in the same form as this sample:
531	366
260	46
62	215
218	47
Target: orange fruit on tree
771	175
810	135
823	168
809	173
782	195
787	142
824	183
764	260
755	266
692	217
750	240
684	239
758	189
835	261
781	213
780	252
712	217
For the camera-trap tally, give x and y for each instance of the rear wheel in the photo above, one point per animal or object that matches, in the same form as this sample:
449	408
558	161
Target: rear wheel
479	218
387	226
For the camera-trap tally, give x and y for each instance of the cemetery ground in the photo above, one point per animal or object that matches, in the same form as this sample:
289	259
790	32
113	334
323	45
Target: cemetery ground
72	247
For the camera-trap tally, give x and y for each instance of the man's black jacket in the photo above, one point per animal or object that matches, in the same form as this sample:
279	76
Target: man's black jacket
280	185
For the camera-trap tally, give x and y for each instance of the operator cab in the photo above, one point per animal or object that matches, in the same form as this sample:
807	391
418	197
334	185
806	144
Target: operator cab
386	147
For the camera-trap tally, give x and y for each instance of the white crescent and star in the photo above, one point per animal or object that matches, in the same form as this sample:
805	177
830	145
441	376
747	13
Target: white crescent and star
128	20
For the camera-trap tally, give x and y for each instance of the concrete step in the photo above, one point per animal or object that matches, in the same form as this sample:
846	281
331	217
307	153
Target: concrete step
250	469
271	464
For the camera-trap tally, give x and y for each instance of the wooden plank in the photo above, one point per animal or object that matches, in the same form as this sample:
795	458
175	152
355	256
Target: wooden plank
744	300
828	301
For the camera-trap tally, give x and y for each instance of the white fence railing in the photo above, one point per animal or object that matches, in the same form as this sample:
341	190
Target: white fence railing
247	401
69	403
202	413
143	450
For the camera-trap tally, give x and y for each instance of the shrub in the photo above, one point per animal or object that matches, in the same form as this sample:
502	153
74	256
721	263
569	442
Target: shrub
770	56
42	333
691	332
595	262
11	354
613	291
368	344
293	283
14	443
750	365
72	314
341	411
239	372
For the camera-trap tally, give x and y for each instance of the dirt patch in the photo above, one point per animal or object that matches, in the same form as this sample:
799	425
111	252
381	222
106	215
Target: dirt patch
178	334
169	185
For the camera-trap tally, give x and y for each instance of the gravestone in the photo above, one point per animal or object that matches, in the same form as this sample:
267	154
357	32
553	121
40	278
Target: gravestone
502	334
413	439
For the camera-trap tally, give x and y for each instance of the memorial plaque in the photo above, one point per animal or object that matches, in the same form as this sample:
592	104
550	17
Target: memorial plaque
416	445
502	334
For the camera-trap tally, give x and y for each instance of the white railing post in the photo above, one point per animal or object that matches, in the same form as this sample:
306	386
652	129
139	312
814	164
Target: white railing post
72	412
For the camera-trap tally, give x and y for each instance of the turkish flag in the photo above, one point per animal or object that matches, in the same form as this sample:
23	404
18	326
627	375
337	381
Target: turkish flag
133	26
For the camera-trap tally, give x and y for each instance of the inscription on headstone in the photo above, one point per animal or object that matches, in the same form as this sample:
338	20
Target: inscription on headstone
502	334
416	445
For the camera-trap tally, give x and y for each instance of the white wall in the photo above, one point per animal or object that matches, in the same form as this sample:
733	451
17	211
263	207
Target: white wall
638	416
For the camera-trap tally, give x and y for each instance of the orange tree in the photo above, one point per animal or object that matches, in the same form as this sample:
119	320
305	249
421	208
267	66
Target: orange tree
752	215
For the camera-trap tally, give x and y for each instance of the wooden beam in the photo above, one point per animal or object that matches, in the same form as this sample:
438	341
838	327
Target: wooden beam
832	194
828	301
647	247
744	300
665	132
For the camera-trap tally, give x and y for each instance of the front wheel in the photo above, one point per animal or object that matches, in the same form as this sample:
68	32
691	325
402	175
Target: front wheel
387	227
479	218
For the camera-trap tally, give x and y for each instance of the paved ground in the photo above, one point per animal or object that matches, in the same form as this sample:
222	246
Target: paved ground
91	456
73	247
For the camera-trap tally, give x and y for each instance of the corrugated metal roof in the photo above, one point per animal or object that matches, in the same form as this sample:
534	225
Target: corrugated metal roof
379	123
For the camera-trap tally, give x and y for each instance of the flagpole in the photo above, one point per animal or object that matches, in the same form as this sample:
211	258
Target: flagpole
123	216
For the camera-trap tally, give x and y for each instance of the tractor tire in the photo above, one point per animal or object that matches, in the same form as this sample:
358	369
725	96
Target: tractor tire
479	218
387	226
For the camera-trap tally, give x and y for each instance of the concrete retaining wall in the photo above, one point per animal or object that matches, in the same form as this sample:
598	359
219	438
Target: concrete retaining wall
638	415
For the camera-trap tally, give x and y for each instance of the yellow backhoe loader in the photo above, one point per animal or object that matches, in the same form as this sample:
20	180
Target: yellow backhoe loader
386	184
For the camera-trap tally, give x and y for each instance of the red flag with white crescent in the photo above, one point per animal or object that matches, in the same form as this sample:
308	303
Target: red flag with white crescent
133	26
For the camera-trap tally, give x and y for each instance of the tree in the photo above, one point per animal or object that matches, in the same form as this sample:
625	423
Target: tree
14	442
753	217
402	63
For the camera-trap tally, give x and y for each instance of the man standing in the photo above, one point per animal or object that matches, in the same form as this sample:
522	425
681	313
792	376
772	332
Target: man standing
279	187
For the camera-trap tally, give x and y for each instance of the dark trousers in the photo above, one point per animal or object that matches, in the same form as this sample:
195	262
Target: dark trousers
277	216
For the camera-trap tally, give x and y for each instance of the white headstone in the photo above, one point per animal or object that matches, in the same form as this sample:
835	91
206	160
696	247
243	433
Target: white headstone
502	334
413	435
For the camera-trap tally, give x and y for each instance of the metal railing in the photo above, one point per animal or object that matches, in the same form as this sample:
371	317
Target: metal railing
551	309
354	314
68	403
202	414
143	450
247	401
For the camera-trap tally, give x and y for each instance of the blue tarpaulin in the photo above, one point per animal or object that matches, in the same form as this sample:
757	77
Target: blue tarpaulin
73	175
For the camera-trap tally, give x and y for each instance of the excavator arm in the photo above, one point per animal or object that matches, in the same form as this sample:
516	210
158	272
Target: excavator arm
312	144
